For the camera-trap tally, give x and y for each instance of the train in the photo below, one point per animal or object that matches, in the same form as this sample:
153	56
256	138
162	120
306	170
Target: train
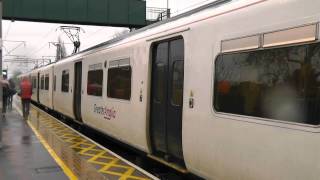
229	90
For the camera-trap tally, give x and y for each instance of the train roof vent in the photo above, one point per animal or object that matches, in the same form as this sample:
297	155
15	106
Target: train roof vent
290	36
239	44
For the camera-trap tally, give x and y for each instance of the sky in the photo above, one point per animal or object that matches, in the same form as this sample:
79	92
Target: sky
33	38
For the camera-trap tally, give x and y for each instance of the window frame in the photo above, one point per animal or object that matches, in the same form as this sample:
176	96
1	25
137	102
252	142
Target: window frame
120	66
54	82
173	103
46	84
254	119
102	83
62	81
42	82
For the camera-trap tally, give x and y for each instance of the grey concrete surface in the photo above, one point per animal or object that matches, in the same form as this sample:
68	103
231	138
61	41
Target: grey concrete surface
22	156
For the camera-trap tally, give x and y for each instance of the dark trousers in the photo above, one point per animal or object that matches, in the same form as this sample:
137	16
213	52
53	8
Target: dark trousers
25	107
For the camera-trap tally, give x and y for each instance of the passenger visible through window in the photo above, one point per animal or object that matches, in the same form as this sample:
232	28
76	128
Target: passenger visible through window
95	80
280	83
119	82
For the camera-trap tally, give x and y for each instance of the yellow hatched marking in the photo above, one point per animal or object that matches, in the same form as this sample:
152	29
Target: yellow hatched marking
97	156
86	148
109	165
63	166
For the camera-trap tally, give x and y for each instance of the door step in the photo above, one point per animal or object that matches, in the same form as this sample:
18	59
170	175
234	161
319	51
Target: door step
171	165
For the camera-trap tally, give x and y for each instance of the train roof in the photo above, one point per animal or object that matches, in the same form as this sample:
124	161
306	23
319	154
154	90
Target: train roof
214	4
183	15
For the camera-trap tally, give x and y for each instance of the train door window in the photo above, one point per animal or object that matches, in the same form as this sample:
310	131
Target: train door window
42	82
281	83
54	82
177	83
65	81
119	79
46	80
95	80
159	95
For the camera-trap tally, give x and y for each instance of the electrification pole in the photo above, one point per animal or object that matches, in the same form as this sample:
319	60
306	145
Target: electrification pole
168	10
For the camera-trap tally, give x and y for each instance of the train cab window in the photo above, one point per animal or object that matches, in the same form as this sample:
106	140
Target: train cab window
46	80
65	81
119	82
280	83
95	80
42	82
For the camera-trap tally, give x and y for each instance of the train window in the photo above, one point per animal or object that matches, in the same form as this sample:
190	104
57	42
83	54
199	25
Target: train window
177	83
280	83
42	82
54	82
46	84
34	82
94	85
119	82
65	81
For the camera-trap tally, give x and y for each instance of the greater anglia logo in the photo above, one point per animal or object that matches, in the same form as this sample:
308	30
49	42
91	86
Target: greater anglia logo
107	113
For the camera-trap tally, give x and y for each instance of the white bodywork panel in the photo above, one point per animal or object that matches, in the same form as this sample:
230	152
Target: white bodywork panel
215	145
129	123
45	96
34	96
63	101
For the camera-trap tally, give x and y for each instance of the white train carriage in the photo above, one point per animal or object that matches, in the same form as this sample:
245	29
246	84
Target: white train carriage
229	92
34	76
63	88
46	86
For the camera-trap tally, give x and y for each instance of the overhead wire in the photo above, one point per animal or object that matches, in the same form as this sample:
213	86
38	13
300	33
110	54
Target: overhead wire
189	7
44	44
8	30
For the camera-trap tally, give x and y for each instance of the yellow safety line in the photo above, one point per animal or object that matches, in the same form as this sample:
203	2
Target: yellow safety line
63	166
88	149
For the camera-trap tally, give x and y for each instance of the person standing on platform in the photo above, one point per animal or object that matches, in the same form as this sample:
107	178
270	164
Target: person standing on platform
25	93
12	92
5	91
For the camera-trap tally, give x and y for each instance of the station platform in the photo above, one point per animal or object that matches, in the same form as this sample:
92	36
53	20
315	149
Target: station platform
22	155
45	148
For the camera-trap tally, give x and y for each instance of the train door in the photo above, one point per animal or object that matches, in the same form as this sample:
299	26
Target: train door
38	88
166	99
77	91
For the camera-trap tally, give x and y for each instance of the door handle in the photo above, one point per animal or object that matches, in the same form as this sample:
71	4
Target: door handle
191	103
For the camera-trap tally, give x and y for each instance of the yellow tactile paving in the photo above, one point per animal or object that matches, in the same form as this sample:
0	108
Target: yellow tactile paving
105	163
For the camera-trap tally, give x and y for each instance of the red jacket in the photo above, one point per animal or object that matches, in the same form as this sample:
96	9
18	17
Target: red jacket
26	89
